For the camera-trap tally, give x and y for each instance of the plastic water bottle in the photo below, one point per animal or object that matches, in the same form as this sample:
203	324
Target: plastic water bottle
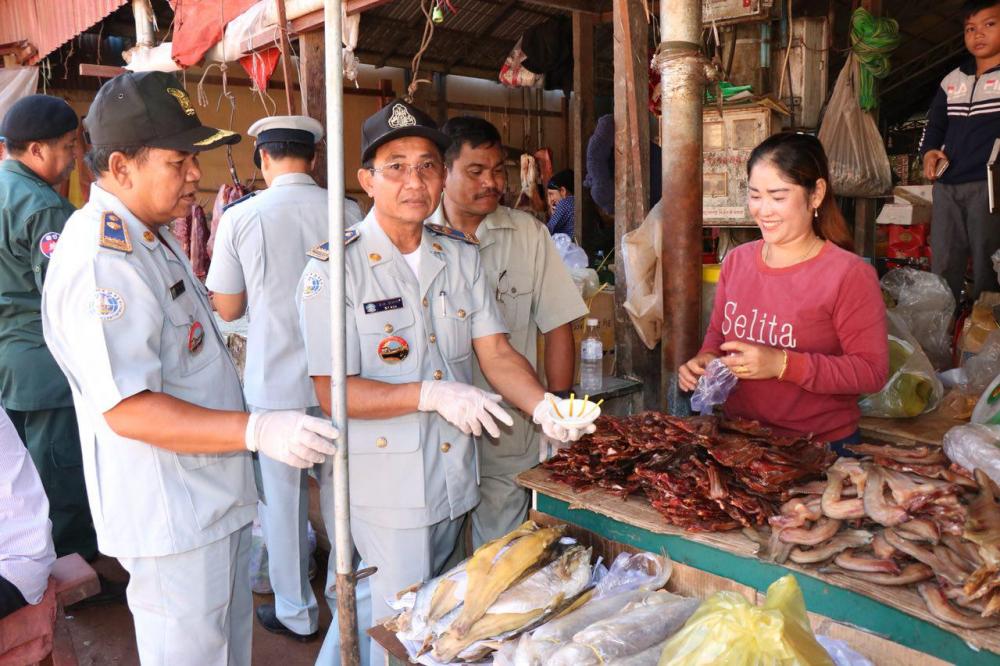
591	359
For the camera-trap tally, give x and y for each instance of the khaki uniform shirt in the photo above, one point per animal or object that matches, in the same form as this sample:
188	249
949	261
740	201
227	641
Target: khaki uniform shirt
122	314
534	292
417	469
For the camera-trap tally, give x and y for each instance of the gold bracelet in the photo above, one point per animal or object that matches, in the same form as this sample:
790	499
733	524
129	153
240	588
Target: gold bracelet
784	364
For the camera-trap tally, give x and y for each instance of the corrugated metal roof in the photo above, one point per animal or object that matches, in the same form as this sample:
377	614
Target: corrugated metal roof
48	24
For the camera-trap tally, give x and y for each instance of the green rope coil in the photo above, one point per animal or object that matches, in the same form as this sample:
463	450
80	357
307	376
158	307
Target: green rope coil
872	40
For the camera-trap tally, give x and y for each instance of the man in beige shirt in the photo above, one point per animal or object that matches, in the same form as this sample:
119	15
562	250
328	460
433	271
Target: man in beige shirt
534	292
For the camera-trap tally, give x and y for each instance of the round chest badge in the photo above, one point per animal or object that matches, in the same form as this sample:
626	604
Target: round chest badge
393	349
196	336
47	244
107	305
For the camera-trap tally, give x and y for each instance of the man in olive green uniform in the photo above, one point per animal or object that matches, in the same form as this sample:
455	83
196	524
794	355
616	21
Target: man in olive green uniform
40	137
533	291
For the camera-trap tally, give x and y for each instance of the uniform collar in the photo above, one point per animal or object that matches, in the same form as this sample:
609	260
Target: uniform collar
380	251
138	232
292	179
498	219
16	166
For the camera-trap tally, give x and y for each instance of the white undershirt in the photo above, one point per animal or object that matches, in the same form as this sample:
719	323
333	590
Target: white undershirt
413	259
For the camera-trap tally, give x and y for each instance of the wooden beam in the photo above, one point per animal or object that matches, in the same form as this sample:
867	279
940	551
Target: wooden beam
589	234
310	22
403	62
631	99
464	106
593	7
312	74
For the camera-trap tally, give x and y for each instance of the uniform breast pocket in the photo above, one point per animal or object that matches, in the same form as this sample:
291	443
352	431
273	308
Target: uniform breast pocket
453	325
513	296
188	343
388	342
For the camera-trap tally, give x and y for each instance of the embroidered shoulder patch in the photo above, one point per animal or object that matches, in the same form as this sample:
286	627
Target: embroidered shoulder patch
107	305
114	233
312	284
47	244
442	230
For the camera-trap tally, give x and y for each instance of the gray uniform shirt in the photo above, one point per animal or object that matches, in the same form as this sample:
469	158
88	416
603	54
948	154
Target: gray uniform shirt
417	469
535	293
261	249
123	314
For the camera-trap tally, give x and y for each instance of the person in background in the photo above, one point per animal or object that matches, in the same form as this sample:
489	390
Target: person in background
600	180
26	549
167	442
419	306
534	292
962	125
559	191
259	255
797	317
40	135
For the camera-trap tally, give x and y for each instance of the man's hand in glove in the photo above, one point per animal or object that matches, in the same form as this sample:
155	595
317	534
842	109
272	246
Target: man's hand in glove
291	437
542	415
467	408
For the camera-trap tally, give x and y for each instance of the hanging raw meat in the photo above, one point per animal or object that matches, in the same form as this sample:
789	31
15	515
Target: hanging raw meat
227	195
543	156
199	242
181	229
529	200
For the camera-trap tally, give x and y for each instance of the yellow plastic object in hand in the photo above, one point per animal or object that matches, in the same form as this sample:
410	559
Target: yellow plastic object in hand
727	629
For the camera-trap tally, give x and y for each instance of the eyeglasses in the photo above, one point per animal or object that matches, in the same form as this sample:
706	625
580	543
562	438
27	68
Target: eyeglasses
502	287
399	171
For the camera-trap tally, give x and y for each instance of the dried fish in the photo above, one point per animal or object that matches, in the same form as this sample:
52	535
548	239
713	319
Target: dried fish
853	561
843	541
911	573
878	508
939	607
824	529
832	504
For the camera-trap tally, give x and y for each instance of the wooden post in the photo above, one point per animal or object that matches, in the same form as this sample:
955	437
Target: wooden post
441	97
313	77
286	68
583	122
864	209
632	177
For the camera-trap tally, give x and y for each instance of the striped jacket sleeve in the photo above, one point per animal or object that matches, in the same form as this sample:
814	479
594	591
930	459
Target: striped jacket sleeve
937	123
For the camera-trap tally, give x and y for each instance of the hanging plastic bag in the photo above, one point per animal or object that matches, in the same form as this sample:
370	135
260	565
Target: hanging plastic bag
728	629
975	446
859	165
927	306
514	74
913	387
643	278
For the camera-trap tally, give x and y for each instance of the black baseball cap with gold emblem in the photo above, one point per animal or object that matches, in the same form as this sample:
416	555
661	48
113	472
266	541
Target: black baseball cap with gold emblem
150	109
396	120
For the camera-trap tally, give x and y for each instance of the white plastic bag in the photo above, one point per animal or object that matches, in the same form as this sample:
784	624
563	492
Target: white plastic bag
572	254
913	387
859	165
927	307
975	446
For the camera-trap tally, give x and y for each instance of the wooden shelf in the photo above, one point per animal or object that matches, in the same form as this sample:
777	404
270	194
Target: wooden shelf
924	429
899	614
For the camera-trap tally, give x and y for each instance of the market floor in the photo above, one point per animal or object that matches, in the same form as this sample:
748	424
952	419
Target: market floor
104	635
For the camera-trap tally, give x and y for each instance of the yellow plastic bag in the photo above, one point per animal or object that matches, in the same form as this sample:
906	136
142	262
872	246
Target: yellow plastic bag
727	629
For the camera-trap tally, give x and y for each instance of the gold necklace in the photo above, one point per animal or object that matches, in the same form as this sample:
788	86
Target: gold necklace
767	251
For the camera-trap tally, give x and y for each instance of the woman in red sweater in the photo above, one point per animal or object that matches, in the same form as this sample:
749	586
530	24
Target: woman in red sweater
798	317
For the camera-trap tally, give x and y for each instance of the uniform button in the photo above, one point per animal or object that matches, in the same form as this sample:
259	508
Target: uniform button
381	442
375	256
438	374
425	301
513	290
446	447
387	328
436	247
433	338
461	314
147	236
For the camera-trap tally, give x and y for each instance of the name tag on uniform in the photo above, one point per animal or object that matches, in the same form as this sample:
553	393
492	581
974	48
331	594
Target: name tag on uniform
382	306
176	289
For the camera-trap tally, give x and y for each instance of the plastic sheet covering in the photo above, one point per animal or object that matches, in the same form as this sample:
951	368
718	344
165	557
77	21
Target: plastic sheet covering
913	387
15	83
927	306
644	277
859	165
198	26
975	446
728	629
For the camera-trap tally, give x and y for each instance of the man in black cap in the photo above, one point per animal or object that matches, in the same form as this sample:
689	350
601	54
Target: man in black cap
419	305
165	433
40	137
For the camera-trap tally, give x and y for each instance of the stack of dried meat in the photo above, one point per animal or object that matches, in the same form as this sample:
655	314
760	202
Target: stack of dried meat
701	473
897	517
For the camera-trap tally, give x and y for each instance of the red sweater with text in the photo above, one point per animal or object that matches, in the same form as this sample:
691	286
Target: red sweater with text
828	314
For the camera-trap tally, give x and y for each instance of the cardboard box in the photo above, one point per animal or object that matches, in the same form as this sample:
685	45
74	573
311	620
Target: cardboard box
979	324
602	307
917	195
904	214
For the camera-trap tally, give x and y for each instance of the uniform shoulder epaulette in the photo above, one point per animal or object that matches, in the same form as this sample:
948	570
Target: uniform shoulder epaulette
114	233
240	200
450	232
321	252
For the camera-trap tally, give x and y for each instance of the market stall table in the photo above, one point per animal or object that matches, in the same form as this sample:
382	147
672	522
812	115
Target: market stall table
924	429
898	614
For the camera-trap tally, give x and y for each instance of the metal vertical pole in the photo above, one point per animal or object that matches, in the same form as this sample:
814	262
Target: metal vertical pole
346	603
142	12
683	77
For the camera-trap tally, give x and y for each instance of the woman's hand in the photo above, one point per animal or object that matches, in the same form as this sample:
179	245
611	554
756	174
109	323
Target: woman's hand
689	373
752	361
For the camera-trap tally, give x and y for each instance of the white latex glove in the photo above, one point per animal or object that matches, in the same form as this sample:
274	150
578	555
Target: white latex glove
291	437
542	415
466	407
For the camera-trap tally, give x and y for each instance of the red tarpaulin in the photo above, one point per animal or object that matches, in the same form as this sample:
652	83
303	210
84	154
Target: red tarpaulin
198	26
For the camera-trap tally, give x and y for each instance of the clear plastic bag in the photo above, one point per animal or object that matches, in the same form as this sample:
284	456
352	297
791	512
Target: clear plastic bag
572	254
713	387
913	387
841	652
727	629
859	165
927	307
975	446
984	367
